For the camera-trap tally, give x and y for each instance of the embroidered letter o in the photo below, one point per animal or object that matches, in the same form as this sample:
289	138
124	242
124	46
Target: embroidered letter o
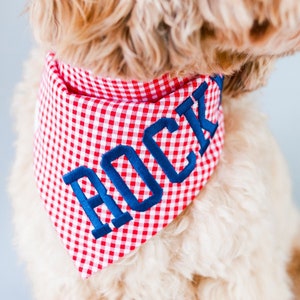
121	186
101	198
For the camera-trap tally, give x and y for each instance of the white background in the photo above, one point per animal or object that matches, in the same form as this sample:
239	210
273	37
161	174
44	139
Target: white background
280	100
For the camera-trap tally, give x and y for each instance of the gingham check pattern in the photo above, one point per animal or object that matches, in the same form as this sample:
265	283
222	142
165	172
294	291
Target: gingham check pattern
79	118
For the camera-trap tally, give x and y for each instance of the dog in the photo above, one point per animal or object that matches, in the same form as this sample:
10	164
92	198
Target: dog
159	91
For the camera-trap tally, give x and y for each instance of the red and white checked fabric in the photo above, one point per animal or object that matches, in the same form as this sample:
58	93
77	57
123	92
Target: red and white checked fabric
80	117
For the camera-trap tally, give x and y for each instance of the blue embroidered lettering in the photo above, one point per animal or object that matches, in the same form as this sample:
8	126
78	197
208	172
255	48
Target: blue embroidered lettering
159	155
200	123
89	205
142	171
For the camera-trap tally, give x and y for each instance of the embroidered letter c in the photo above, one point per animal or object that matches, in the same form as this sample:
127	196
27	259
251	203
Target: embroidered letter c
160	157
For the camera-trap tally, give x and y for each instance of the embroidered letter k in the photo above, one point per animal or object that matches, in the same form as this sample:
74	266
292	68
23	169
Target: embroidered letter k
198	123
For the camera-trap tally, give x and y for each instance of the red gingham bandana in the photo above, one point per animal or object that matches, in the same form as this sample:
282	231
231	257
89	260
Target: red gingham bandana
117	161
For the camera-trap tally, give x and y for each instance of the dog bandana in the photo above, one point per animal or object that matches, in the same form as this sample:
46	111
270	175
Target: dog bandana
117	161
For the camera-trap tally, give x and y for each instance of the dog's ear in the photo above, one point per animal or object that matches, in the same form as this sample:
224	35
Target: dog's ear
270	29
100	35
255	28
56	22
49	19
251	76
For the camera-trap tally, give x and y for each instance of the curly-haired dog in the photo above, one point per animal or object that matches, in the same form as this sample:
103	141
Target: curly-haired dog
159	185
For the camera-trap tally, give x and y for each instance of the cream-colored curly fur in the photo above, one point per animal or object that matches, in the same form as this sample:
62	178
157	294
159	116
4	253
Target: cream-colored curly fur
237	238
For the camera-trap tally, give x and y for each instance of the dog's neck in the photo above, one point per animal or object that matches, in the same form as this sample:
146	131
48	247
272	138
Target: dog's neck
116	161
